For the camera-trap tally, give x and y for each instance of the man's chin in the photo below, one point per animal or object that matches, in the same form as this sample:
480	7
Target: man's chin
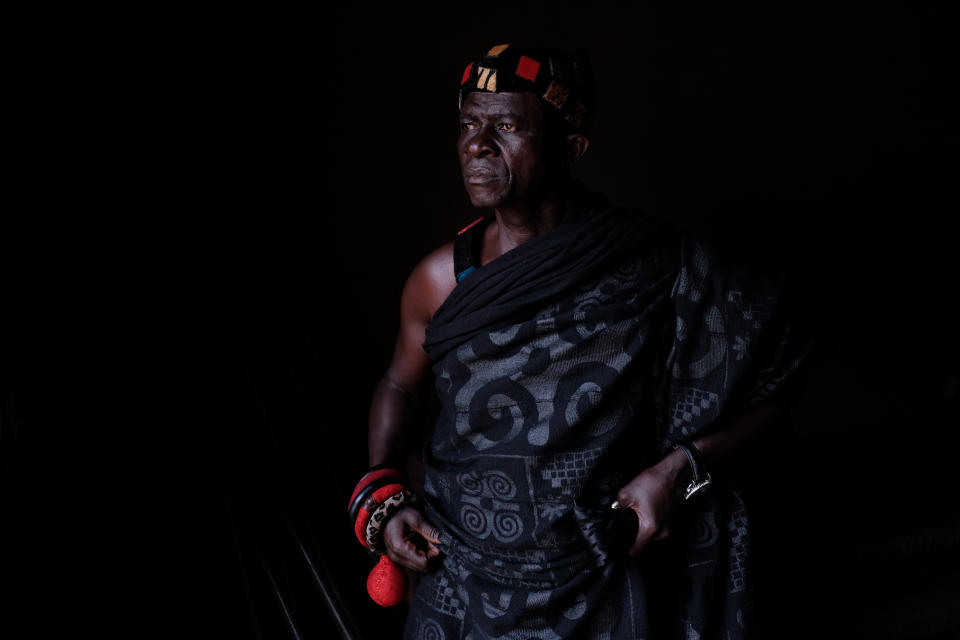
483	199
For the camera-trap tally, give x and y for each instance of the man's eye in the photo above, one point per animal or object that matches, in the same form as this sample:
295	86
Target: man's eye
506	126
468	126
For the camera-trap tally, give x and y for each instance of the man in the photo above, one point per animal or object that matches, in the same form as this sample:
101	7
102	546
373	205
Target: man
591	364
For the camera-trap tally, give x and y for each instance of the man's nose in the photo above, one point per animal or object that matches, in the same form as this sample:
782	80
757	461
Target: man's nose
480	143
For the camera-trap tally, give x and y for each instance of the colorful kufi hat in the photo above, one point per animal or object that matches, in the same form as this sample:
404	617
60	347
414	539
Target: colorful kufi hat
562	80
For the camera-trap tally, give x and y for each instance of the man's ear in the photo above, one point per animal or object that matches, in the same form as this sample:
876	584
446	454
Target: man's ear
576	145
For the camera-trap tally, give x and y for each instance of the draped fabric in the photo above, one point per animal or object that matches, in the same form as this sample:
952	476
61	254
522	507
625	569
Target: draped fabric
564	368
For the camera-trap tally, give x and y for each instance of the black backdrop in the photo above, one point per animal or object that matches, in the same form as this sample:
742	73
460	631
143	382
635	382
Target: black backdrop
205	358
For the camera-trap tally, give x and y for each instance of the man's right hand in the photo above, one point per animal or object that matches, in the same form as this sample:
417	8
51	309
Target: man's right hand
411	540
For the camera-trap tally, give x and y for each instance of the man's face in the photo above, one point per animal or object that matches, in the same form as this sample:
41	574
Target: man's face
503	150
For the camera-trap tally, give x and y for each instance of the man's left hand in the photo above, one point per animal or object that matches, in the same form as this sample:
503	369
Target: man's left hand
655	495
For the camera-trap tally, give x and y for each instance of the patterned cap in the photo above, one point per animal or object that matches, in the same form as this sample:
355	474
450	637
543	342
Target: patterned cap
561	79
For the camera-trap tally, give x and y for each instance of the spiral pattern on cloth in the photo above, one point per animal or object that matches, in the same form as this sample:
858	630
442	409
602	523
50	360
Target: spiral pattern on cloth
507	405
507	525
430	630
473	520
486	508
499	485
470	483
703	530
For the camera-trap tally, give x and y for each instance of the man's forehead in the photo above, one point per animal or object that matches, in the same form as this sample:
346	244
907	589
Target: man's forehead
515	102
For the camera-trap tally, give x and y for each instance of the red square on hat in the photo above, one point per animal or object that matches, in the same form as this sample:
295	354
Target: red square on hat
528	68
466	74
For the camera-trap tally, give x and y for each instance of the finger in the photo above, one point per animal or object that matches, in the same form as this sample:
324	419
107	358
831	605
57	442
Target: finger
627	499
407	555
428	531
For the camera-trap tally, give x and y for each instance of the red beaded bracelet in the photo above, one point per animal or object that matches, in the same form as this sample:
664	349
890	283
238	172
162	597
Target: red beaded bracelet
378	495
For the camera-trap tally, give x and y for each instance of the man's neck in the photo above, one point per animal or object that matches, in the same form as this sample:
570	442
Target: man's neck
525	220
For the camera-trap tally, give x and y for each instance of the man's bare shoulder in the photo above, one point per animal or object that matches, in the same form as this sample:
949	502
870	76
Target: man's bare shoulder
437	267
430	282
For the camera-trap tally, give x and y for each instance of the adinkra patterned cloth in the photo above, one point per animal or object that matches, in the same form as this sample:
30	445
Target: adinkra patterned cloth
564	368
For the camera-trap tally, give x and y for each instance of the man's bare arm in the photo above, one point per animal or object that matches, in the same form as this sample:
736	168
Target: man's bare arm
411	541
398	395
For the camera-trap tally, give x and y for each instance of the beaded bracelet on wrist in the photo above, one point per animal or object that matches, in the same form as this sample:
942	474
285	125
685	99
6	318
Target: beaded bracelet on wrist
383	512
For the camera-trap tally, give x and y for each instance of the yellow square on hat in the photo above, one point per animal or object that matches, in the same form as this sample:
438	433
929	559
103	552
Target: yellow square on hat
487	79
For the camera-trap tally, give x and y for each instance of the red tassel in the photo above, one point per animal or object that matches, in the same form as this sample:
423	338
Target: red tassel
387	583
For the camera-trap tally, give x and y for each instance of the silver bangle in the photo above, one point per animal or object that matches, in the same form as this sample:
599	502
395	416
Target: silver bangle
701	478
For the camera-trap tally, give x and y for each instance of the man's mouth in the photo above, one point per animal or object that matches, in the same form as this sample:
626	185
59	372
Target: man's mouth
479	177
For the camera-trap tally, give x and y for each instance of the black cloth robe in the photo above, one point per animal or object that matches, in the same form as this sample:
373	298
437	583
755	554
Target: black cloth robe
564	368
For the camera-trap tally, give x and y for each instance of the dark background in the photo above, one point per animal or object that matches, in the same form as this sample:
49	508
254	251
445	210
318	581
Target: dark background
187	379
